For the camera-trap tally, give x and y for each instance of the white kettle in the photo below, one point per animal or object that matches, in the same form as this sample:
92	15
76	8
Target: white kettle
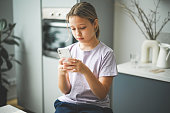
163	57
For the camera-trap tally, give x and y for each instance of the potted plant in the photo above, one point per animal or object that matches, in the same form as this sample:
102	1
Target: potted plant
6	59
148	25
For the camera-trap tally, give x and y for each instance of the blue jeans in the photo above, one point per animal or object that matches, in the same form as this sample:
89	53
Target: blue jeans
64	107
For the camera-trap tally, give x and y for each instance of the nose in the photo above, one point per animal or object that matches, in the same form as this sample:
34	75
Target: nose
78	32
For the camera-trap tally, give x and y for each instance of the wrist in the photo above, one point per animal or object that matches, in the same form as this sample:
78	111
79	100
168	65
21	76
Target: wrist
61	71
86	71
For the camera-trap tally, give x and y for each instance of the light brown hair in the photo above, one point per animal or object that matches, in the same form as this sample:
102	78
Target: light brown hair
84	10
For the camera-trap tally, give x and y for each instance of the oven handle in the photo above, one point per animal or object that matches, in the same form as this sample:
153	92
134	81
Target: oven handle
56	24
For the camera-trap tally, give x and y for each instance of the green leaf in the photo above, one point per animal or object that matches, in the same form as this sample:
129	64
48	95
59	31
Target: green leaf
6	31
17	61
3	24
1	62
16	37
11	26
4	54
9	64
11	55
4	74
4	69
12	58
11	42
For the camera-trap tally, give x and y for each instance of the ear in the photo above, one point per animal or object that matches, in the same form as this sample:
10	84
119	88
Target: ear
95	23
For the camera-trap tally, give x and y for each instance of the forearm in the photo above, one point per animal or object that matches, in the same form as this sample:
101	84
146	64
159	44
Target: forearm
64	83
96	86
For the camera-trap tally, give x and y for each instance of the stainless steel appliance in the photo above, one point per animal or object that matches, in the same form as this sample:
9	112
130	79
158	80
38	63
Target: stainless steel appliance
56	31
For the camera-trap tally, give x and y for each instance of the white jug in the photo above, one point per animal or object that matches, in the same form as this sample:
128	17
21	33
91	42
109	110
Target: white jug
163	58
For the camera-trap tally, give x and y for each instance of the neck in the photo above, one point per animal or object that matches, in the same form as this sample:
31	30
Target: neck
90	45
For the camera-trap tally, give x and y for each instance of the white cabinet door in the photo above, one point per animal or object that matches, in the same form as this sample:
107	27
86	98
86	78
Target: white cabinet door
51	90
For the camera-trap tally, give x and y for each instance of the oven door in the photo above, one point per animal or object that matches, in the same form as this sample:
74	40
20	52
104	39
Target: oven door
56	35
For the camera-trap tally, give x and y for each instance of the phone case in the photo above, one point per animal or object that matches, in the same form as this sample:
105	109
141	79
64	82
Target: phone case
64	53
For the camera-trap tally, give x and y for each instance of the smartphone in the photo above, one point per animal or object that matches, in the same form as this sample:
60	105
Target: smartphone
64	53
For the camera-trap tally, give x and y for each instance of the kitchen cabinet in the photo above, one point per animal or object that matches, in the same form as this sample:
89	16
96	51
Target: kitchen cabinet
137	90
51	90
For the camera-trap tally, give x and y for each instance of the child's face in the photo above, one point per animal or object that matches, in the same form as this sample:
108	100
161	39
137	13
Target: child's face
82	29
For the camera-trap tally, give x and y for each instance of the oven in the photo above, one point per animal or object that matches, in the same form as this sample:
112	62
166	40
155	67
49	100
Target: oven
56	31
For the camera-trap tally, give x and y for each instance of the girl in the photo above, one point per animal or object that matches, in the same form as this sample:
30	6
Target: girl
86	78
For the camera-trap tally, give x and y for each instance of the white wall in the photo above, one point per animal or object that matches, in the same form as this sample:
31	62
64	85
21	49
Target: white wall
127	36
27	15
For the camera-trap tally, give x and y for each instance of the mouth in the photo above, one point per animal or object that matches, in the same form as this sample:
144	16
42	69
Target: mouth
79	38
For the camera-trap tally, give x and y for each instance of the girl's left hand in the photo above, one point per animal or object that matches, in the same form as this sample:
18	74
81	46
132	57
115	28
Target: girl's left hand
75	65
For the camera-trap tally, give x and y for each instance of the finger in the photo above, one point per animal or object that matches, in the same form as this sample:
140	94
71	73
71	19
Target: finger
69	67
65	60
73	60
74	70
70	62
60	66
61	69
61	61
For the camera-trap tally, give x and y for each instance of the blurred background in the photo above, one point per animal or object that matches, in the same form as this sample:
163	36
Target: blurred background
41	24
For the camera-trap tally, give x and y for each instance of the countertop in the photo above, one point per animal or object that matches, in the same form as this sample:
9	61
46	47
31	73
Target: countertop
10	109
146	70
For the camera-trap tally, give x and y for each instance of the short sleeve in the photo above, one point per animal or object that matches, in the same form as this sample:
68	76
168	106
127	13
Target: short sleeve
108	65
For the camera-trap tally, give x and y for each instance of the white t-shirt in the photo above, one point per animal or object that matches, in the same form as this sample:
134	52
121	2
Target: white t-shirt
101	61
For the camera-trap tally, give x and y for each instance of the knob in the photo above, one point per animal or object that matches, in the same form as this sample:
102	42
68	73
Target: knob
52	14
59	14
